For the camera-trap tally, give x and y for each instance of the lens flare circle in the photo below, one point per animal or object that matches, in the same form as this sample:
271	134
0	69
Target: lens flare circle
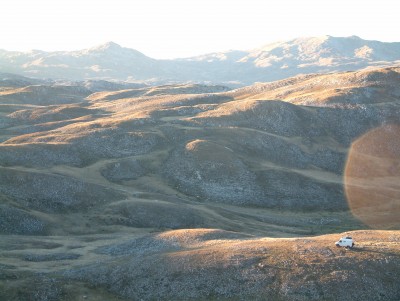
372	177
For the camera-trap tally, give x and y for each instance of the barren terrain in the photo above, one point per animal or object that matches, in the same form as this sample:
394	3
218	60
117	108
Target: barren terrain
114	191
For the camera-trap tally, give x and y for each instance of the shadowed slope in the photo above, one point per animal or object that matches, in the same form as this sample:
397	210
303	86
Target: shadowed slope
233	147
90	191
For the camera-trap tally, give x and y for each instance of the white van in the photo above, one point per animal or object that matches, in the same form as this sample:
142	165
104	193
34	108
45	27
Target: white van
345	241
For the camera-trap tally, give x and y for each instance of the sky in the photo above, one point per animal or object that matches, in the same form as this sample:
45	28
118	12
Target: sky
183	28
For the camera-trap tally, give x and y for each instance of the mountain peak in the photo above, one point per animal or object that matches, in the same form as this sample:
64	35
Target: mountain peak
107	46
320	40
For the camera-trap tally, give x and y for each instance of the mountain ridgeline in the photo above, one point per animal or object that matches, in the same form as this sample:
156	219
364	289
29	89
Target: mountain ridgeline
271	62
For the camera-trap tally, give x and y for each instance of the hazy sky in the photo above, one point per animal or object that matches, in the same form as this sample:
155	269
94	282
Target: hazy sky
181	28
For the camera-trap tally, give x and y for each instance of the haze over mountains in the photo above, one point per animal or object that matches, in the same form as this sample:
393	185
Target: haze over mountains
271	62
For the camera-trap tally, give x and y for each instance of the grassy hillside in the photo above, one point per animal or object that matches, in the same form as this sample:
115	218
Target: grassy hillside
182	192
200	264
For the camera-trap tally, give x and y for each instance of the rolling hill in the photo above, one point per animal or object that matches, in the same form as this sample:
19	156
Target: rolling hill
125	191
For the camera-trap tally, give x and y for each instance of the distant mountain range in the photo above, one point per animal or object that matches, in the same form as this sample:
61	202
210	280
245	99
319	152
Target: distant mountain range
272	62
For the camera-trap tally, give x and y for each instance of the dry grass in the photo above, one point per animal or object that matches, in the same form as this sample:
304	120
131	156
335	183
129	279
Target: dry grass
200	264
113	181
338	89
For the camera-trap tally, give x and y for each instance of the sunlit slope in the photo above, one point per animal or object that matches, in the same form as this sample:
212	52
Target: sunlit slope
253	146
180	192
366	87
200	264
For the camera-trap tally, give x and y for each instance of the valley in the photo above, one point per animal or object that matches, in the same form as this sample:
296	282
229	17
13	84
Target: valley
121	191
